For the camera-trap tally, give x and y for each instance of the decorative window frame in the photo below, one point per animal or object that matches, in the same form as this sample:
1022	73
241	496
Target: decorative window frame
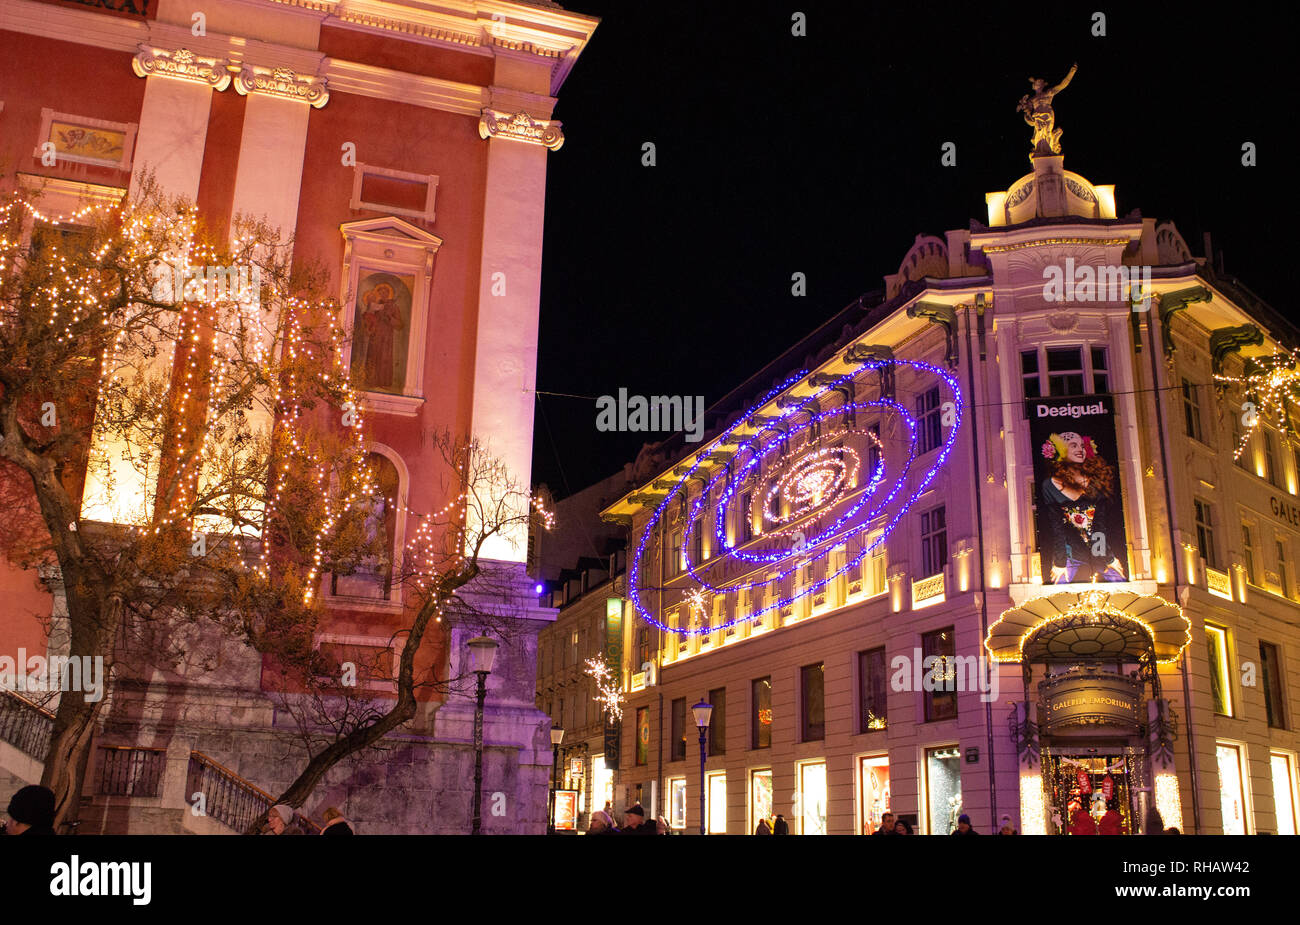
359	174
394	643
395	602
129	129
393	245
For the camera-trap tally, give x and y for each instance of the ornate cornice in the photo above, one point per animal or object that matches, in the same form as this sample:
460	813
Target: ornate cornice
521	127
284	83
1052	242
182	64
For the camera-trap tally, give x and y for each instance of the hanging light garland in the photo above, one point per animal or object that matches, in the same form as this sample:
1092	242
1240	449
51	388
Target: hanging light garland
609	693
1271	382
815	482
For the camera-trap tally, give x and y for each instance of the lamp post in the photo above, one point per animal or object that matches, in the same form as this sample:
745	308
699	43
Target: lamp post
703	713
482	652
557	736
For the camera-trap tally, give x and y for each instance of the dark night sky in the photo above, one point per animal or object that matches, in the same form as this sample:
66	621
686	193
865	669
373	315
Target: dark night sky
821	154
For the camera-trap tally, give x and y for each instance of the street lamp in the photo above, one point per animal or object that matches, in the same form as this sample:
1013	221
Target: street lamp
703	713
557	736
482	652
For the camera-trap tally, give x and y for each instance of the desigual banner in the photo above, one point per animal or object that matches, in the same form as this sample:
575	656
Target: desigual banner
1080	511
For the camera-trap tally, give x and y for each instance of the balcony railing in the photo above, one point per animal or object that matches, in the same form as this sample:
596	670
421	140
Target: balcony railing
24	725
128	771
229	798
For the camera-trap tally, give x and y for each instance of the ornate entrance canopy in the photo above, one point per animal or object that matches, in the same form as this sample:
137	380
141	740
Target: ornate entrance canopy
1094	624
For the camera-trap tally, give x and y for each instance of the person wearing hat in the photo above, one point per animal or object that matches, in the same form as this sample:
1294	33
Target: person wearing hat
634	822
31	811
335	823
963	826
279	821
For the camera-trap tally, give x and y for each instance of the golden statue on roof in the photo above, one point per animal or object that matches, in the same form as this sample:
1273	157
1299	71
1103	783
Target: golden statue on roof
1040	117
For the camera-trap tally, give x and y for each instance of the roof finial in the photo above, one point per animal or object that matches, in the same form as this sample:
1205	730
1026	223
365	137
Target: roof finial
1040	117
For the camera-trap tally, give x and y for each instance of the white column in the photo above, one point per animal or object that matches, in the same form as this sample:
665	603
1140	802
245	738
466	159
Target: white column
510	280
271	149
173	131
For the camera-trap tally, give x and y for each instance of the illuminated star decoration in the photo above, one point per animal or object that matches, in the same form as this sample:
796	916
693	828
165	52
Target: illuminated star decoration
608	693
816	484
1271	381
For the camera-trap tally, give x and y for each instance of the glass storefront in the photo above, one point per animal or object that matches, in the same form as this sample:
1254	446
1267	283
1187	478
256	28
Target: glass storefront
873	791
602	783
677	802
942	789
717	799
760	797
812	798
1231	795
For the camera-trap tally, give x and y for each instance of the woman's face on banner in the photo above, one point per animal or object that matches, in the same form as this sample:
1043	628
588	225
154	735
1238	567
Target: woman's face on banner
1074	450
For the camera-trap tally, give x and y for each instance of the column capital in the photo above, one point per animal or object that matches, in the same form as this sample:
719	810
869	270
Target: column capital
282	82
181	64
520	126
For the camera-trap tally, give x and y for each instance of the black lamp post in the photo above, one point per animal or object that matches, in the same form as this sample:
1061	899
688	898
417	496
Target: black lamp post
482	652
703	713
557	736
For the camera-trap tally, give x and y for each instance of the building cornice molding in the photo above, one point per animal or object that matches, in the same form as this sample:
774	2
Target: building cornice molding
520	126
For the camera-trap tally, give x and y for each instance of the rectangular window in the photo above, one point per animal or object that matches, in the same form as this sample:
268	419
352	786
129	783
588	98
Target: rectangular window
873	690
943	789
1241	451
878	567
934	542
697	542
1248	554
1282	765
873	798
1271	678
928	412
1029	373
1064	371
1283	569
760	796
718	721
1191	411
746	525
940	645
873	450
761	723
717	800
675	554
1205	532
677	802
1216	640
642	735
1232	798
813	686
812	798
1100	372
1271	470
679	729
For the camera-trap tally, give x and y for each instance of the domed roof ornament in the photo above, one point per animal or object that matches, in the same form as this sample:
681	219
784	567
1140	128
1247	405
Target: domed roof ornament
1040	117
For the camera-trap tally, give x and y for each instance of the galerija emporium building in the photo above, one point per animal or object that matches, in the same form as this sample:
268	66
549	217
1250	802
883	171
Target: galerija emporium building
1016	539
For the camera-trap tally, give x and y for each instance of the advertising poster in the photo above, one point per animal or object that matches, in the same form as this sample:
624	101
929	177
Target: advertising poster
1080	513
566	810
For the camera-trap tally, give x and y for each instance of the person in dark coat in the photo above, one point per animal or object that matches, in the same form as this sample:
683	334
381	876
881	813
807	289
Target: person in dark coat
635	822
964	826
782	827
886	825
762	828
335	823
31	811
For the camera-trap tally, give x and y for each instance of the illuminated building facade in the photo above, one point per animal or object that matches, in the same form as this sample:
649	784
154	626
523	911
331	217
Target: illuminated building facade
403	146
980	545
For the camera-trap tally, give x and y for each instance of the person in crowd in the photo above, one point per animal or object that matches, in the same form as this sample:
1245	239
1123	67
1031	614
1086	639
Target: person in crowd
31	811
763	828
902	827
1152	823
664	827
335	823
601	824
886	825
1008	829
964	826
279	821
782	827
1173	830
1081	823
634	822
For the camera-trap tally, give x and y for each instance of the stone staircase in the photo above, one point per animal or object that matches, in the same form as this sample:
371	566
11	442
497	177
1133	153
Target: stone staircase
135	790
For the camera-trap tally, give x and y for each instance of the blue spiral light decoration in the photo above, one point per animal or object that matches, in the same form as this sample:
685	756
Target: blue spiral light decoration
814	482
